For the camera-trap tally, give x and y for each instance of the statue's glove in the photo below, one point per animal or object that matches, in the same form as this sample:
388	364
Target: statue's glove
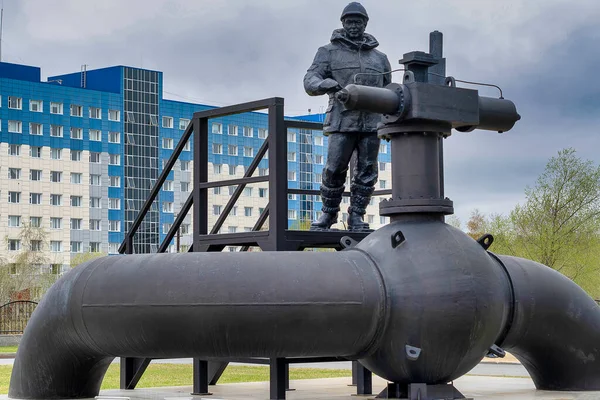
329	86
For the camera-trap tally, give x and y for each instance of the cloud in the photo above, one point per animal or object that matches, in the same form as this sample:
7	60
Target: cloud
543	54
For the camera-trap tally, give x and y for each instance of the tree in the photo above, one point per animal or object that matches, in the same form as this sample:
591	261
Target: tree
454	221
81	258
22	270
476	224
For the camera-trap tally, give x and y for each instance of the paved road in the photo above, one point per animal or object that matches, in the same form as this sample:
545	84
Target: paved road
486	369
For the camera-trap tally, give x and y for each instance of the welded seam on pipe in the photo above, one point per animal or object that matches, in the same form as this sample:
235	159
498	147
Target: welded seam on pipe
511	313
384	311
290	303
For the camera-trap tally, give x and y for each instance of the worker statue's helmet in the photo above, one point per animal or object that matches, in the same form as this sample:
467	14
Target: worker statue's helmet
354	8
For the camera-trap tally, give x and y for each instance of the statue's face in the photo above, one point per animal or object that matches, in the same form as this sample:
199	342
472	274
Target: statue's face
354	27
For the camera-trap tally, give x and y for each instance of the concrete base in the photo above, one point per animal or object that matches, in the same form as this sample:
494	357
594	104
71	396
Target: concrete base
477	387
10	340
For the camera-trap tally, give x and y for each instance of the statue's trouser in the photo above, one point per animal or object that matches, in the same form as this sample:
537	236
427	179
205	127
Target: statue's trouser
339	152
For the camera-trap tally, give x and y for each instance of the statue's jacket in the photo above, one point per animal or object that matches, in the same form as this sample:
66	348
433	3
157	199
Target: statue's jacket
341	60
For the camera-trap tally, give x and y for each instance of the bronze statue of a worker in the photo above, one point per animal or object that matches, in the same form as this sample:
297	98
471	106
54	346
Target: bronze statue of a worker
351	57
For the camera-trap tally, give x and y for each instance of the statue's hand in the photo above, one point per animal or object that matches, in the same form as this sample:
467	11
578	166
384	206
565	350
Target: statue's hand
330	86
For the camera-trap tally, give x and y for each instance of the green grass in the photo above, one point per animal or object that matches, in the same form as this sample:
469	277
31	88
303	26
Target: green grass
181	375
8	349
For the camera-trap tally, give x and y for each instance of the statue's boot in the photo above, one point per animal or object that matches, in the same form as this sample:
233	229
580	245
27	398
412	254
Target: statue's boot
359	200
324	222
331	197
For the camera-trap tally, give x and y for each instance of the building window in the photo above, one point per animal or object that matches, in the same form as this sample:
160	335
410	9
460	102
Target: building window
382	166
383	148
382	184
35	198
114	115
187	146
76	224
76	178
76	111
165	228
95	247
262	192
35	222
95	225
114	226
129	139
95	157
14	197
35	129
291	137
231	190
262	133
15	126
55	223
318	178
95	202
217	128
292	214
114	137
95	113
248	131
113	248
183	123
76	133
318	140
56	108
56	131
114	204
55	154
95	180
248	151
263	171
370	219
167	206
95	135
14	244
247	211
55	176
75	155
217	209
185	229
383	220
217	148
35	174
75	201
56	199
234	211
185	165
232	130
167	122
291	175
232	169
114	159
36	245
217	169
167	143
36	105
34	151
115	181
129	117
14	173
232	229
291	156
318	159
185	186
248	192
14	221
232	150
292	196
55	247
15	103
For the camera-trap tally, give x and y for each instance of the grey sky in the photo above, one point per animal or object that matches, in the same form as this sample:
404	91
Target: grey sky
542	52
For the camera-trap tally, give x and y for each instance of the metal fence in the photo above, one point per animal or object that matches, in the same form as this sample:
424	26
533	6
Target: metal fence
14	316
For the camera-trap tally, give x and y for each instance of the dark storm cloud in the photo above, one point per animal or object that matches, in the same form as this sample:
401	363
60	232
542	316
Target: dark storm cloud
543	54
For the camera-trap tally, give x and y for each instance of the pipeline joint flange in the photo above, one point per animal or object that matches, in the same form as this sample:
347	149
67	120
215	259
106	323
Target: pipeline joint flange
407	206
486	241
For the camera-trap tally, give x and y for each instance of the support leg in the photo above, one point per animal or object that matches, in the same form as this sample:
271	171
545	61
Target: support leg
200	378
277	378
364	380
215	370
132	370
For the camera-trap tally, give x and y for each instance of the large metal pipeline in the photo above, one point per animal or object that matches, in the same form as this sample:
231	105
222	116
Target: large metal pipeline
415	301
